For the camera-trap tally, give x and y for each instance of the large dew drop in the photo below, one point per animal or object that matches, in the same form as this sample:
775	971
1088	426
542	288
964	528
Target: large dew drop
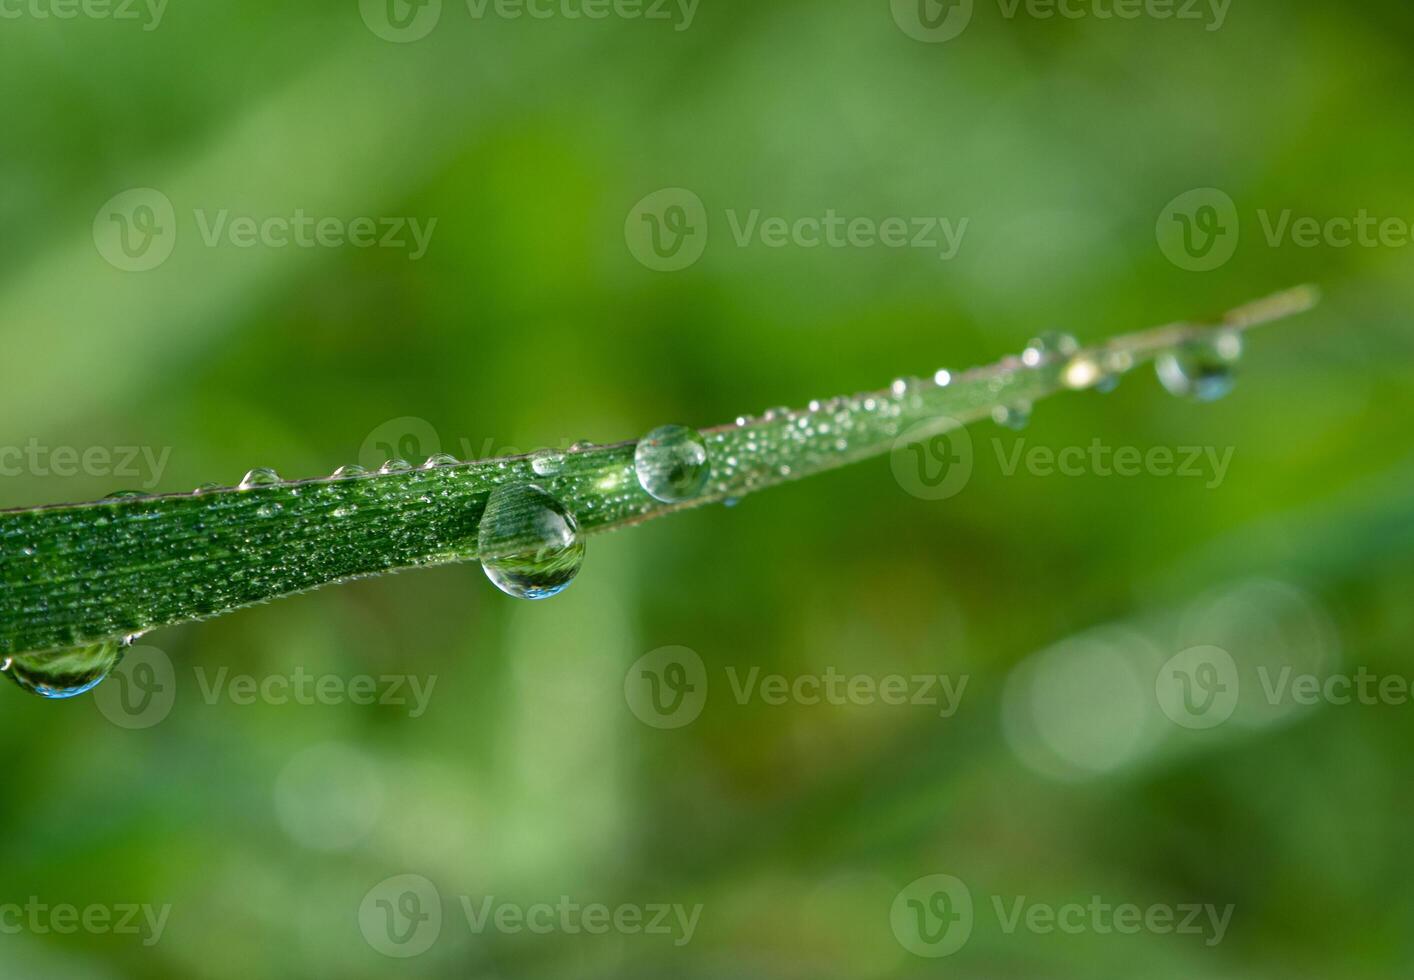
1203	369
64	673
671	463
529	543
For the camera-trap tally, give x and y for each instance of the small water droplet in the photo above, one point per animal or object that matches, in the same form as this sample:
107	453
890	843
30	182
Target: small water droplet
440	459
1201	369
547	462
65	673
530	545
260	477
1012	416
395	465
207	488
581	446
345	510
730	501
124	494
268	510
777	412
353	469
942	378
671	463
1052	343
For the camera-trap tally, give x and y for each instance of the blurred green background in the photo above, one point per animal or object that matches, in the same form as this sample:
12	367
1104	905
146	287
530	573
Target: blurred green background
530	321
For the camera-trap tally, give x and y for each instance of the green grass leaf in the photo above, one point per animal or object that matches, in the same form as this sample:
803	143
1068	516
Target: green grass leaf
79	574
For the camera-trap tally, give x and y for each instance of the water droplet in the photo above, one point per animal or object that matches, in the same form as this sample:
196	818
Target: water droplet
529	543
124	494
65	673
1082	372
207	488
353	469
1049	344
730	501
440	459
261	477
345	510
547	462
395	465
1012	416
268	510
581	446
942	378
671	463
1201	369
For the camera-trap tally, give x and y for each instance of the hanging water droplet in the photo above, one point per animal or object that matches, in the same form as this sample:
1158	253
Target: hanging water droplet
261	477
440	459
1012	416
529	543
1201	369
671	463
65	673
395	465
353	469
547	462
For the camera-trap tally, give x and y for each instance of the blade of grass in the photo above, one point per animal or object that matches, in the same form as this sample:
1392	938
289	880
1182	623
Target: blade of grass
80	573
